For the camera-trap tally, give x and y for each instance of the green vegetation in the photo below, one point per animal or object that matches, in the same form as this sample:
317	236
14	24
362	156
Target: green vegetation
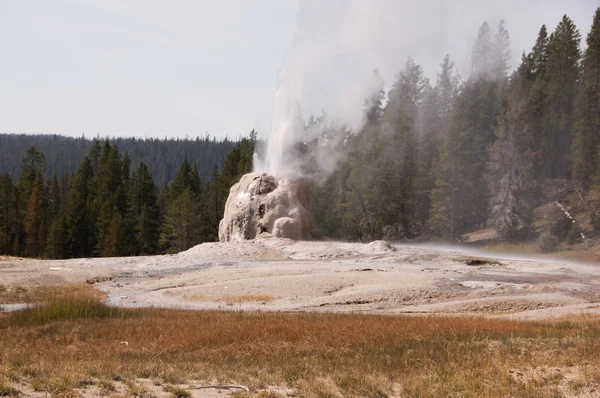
106	210
162	156
513	153
518	154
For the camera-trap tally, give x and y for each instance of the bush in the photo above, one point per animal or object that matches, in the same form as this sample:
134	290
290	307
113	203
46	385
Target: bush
547	242
573	234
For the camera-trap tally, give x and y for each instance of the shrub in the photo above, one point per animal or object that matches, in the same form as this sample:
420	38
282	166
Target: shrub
547	242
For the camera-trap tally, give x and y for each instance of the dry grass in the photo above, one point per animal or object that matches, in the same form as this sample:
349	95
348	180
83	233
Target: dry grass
26	294
229	300
12	258
576	252
246	299
74	340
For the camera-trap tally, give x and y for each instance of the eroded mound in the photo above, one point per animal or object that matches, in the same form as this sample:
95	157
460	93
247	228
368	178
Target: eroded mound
262	206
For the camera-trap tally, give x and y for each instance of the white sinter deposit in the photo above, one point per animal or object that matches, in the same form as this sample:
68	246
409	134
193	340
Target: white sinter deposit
262	206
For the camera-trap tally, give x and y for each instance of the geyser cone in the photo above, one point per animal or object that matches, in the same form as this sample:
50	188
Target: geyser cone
260	205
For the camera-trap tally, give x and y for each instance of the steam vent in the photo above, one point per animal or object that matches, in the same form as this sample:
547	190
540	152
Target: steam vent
260	206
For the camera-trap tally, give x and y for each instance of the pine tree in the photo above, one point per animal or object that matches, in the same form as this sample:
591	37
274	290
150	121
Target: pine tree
35	219
94	155
9	222
80	217
110	202
359	209
587	110
57	238
512	166
32	203
561	74
144	212
434	114
460	197
513	157
397	172
482	51
187	178
182	223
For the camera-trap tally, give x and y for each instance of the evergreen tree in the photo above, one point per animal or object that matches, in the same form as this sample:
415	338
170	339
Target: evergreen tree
360	204
35	219
561	75
57	238
80	217
460	197
435	113
587	110
94	155
512	166
482	53
181	227
144	212
9	222
32	204
110	202
512	159
182	223
397	168
186	178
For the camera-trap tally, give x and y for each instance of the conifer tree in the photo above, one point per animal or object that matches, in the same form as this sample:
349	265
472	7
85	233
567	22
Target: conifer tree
80	217
8	215
32	203
397	170
35	219
360	203
144	212
513	157
561	74
460	197
435	113
182	223
57	238
110	202
586	126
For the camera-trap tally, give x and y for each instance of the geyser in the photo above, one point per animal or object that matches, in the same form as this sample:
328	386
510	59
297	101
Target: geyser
261	206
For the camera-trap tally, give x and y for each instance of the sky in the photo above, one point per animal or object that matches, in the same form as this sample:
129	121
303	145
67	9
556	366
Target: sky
183	68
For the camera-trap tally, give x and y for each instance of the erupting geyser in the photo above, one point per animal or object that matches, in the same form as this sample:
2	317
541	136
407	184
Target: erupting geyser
262	206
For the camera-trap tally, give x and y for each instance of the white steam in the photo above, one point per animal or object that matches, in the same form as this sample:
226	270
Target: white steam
338	44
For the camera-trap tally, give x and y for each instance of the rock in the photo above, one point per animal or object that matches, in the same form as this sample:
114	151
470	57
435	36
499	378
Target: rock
260	206
380	246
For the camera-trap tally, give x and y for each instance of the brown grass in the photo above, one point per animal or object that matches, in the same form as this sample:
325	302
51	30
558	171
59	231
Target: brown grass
22	294
318	355
230	300
576	252
11	258
245	299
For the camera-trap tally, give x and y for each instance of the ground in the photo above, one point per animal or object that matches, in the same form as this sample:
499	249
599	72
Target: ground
476	323
285	275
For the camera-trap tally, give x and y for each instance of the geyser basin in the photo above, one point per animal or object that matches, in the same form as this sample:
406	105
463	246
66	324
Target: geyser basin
262	206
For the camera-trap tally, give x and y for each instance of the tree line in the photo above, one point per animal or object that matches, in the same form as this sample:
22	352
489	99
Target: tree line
434	160
162	156
440	160
105	209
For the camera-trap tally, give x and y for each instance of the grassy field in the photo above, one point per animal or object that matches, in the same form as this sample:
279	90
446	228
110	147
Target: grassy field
576	252
72	341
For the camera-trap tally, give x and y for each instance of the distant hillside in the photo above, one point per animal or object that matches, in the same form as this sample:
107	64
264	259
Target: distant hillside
163	157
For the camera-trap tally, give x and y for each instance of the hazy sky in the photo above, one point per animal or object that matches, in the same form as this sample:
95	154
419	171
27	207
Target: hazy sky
186	67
